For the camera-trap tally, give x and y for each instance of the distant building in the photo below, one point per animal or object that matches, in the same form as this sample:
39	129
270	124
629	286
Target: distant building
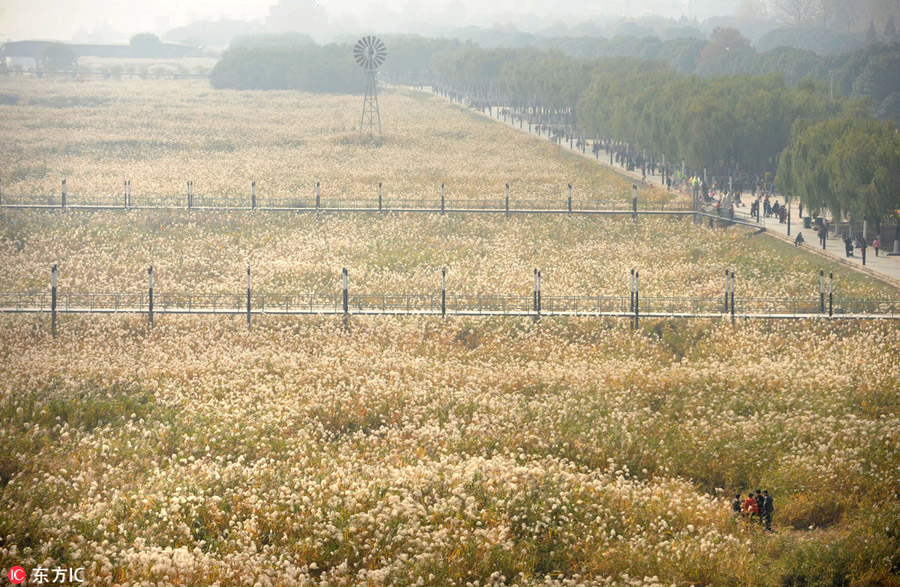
26	54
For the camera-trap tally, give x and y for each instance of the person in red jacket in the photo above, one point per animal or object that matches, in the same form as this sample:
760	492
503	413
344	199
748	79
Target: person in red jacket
750	508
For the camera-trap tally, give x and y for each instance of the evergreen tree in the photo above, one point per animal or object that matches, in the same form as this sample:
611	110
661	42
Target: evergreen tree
871	35
890	30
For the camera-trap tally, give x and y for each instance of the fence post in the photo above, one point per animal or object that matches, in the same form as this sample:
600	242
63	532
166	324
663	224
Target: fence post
631	292
534	293
570	198
507	202
634	201
1	193
63	194
125	193
189	203
539	293
732	297
443	292
318	196
637	289
53	274
346	294
830	294
821	291
379	196
727	276
253	195
442	197
150	300
788	199
129	193
248	297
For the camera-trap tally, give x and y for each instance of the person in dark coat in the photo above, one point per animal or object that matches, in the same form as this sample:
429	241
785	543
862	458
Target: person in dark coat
736	504
759	504
848	245
767	510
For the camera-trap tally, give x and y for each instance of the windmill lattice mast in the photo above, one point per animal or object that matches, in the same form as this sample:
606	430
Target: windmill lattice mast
369	52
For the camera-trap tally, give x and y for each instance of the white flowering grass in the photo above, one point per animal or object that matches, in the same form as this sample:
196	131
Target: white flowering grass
407	450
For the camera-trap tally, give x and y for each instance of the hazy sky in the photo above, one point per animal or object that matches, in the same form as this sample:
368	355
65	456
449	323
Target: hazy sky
60	19
65	19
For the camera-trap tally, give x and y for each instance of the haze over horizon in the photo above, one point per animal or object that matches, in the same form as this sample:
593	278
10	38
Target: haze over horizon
118	20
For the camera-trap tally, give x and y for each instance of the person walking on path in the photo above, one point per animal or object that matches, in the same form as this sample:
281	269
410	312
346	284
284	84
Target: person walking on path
848	245
876	244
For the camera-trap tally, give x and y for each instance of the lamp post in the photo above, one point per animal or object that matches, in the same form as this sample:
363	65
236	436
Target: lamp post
789	214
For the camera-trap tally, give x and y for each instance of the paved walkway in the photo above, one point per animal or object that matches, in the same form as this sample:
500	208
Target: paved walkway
883	267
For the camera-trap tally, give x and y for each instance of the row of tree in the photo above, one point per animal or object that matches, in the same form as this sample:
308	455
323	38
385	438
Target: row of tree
310	68
728	125
848	164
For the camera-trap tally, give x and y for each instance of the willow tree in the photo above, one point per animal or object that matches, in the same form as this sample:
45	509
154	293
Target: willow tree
851	164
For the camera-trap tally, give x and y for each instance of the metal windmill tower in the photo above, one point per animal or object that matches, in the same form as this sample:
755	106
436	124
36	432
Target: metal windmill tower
369	52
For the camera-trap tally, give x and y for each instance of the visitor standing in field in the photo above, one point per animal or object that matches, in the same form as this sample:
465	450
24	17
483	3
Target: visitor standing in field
760	504
749	507
768	508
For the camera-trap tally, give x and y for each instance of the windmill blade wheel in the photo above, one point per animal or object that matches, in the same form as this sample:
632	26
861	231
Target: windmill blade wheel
369	52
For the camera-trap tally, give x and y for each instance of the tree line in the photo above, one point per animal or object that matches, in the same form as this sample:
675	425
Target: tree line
737	124
756	125
310	68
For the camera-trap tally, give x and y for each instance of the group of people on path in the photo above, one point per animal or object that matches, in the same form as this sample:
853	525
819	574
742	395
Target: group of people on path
860	243
755	507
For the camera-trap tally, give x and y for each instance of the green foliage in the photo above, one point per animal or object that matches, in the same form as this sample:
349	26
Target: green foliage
409	56
146	45
850	164
57	57
725	44
271	40
328	69
880	78
814	39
